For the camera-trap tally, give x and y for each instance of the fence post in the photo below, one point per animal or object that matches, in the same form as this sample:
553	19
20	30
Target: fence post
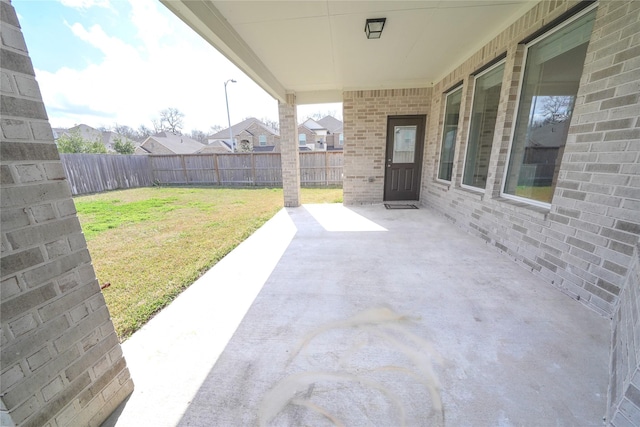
184	169
216	168
326	168
152	169
253	170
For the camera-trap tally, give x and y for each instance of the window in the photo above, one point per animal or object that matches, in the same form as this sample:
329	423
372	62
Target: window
263	140
484	112
404	146
551	78
302	139
449	132
341	139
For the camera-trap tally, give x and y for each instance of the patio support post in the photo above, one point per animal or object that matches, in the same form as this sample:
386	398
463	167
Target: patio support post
289	151
62	363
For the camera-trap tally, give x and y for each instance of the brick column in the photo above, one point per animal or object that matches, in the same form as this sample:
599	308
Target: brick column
289	151
61	360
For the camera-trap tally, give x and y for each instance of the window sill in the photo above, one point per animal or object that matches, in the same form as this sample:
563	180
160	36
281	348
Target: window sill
443	183
478	193
532	210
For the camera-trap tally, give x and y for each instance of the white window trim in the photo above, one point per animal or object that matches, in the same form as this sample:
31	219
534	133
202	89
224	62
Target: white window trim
517	104
444	113
466	148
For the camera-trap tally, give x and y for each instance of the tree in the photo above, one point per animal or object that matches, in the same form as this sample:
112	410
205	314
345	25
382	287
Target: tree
157	125
244	147
199	136
125	131
143	133
273	124
74	143
556	109
321	114
215	129
123	146
171	119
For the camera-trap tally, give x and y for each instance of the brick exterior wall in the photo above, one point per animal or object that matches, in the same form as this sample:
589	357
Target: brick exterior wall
624	388
333	140
330	140
583	244
365	126
61	360
288	117
252	134
311	136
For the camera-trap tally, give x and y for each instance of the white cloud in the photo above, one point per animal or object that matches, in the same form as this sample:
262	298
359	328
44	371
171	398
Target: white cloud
168	65
110	46
152	25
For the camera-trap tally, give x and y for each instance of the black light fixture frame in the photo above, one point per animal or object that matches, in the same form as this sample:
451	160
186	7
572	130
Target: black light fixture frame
370	27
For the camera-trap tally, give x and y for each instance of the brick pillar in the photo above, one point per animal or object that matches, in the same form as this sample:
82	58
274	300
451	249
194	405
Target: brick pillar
289	151
61	362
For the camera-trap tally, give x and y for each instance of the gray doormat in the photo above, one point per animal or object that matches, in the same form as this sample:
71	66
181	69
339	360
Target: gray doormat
390	206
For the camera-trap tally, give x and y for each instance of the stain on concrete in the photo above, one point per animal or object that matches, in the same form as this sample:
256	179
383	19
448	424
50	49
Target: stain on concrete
372	359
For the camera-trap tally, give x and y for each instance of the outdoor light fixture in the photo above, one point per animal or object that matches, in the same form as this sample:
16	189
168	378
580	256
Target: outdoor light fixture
373	27
233	146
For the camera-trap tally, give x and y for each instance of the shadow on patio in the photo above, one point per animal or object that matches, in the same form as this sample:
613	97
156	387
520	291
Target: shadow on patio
367	316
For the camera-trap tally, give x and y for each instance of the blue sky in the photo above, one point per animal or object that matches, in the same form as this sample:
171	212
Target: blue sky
102	62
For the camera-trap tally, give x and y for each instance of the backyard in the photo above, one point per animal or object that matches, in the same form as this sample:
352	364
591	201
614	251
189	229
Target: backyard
149	244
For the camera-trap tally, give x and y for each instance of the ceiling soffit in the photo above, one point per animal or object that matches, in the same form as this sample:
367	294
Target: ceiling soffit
318	49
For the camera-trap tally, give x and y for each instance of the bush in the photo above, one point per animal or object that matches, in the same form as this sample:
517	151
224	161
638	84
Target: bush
74	143
123	147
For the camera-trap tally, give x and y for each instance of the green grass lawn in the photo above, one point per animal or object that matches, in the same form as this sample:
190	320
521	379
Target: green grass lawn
152	243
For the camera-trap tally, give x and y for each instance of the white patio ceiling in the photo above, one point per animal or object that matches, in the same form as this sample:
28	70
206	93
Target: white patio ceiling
317	49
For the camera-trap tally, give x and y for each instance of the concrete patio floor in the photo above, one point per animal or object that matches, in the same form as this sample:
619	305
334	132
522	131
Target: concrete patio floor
330	315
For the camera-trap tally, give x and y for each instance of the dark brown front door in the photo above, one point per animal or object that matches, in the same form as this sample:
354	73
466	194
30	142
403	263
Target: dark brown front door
405	140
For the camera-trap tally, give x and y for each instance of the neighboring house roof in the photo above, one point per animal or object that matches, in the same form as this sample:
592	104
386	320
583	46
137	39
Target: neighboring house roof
313	126
109	138
58	132
178	144
141	150
224	141
303	148
87	132
332	124
334	148
238	128
218	146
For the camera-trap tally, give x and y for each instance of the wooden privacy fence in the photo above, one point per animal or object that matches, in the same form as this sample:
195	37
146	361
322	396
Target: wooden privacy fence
262	169
93	173
221	169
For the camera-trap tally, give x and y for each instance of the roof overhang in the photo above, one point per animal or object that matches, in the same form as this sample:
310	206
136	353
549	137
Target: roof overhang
318	49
